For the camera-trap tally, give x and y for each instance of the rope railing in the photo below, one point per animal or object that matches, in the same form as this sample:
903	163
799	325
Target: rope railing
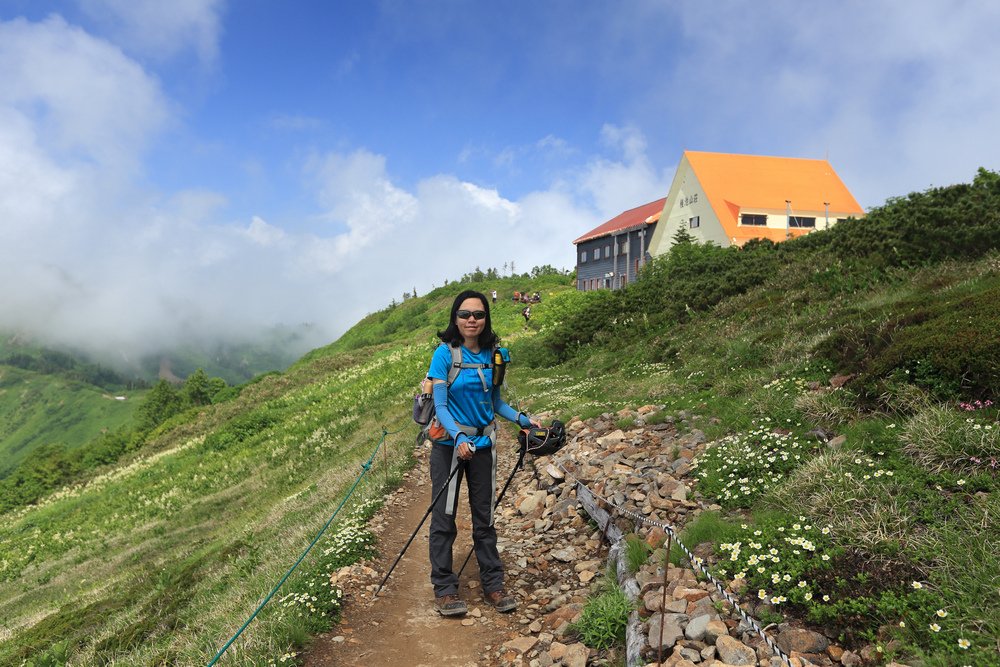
365	467
696	563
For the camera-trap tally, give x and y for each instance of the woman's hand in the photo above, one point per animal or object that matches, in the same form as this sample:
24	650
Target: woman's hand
465	452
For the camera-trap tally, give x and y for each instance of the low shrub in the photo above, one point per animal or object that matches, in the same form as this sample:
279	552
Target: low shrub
604	617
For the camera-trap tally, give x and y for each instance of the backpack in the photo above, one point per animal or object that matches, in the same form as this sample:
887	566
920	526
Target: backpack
423	402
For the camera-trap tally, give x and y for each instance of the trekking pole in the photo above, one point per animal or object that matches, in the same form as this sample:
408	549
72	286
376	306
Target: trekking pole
517	466
437	496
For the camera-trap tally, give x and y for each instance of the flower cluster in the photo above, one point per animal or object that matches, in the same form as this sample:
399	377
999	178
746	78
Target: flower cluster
975	405
351	540
739	468
779	560
932	621
315	600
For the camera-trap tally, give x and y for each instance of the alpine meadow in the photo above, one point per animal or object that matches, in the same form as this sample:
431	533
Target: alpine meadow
846	383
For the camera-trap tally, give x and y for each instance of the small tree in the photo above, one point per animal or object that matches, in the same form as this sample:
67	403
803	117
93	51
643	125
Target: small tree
161	403
196	388
683	236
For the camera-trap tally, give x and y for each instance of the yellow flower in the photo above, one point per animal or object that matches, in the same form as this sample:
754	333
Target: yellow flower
941	613
762	594
902	624
964	643
935	627
917	585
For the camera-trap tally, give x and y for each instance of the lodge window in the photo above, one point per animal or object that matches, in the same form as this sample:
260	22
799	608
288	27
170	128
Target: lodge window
756	219
583	257
800	221
694	222
607	251
597	253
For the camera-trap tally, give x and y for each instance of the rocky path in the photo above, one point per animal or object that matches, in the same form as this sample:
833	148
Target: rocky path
554	557
401	627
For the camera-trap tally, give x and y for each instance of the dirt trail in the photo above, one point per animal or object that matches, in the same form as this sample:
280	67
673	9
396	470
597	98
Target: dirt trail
401	627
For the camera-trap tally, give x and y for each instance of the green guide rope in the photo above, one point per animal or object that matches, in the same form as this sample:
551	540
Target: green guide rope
365	467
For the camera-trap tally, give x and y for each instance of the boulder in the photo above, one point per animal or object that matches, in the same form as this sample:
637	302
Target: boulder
733	652
801	640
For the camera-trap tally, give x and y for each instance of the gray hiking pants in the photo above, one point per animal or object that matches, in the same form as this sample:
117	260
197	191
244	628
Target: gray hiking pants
481	473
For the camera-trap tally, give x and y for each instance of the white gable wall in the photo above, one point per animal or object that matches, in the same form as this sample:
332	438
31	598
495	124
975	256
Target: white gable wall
685	201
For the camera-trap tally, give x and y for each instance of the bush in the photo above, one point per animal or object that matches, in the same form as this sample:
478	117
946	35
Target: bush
951	348
926	227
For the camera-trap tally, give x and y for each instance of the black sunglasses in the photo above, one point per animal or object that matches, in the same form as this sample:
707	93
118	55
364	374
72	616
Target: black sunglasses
466	314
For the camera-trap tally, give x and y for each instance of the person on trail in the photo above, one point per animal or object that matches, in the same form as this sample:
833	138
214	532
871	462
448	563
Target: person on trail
493	295
526	313
467	410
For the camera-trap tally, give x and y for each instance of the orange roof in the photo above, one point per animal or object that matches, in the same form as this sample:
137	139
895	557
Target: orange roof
634	217
756	182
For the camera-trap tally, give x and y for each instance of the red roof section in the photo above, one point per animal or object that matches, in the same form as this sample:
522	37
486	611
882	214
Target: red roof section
634	217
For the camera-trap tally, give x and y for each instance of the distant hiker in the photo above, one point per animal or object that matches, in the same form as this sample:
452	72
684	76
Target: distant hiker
526	314
466	408
517	296
494	295
536	298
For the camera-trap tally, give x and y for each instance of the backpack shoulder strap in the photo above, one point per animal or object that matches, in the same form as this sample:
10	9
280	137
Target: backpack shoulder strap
456	363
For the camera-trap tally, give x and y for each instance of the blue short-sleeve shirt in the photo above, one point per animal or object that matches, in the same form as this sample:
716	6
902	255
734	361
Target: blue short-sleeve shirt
467	401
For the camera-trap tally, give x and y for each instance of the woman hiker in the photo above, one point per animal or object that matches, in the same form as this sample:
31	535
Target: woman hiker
467	412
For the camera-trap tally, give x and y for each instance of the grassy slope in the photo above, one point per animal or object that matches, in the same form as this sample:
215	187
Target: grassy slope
38	409
161	558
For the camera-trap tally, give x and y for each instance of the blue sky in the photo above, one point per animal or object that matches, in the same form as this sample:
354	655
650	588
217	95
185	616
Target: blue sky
214	166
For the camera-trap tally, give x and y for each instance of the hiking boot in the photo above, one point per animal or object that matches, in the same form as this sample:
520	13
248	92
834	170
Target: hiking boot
450	605
502	601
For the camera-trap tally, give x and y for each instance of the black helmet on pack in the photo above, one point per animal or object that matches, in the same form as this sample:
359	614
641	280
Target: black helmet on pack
544	440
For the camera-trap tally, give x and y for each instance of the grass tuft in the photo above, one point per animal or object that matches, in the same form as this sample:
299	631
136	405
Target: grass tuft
940	439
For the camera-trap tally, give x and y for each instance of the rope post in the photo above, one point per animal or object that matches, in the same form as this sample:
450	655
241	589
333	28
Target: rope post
385	459
663	601
604	530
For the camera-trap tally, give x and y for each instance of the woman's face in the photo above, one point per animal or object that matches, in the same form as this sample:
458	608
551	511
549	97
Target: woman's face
471	326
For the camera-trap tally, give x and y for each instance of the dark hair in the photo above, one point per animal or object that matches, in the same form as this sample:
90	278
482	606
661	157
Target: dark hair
452	336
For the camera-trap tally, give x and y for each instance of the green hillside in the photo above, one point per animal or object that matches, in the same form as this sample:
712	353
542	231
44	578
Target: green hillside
160	557
38	409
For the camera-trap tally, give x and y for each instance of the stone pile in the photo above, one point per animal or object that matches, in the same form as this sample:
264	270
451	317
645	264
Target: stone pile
554	555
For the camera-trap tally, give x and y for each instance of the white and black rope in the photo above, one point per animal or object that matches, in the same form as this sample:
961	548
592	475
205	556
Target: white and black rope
696	563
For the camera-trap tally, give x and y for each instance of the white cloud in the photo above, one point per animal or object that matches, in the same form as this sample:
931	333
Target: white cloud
161	30
264	234
74	97
899	95
630	180
101	260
